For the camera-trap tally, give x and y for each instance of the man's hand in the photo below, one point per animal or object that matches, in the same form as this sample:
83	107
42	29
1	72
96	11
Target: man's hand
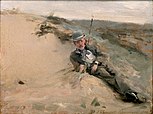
82	68
94	68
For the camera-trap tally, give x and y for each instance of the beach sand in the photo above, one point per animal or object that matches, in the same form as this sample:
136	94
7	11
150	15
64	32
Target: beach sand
36	74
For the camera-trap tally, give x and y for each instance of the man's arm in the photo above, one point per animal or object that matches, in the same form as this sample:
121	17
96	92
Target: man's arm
82	68
78	64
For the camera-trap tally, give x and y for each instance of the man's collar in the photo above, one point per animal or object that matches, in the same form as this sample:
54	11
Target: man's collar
79	51
85	48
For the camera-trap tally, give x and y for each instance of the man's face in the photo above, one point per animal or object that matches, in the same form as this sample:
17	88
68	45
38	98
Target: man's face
80	44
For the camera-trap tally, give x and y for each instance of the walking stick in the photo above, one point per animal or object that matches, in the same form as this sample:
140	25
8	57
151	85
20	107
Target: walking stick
90	28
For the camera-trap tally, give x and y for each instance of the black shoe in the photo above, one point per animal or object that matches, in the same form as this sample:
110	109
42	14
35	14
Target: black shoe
131	96
135	97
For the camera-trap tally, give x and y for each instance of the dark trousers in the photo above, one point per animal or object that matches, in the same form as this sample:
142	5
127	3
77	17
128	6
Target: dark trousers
110	76
107	73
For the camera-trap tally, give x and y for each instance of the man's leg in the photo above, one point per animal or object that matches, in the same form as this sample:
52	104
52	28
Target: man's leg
114	81
118	85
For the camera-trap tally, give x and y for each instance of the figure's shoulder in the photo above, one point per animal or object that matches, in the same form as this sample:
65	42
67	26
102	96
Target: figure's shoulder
91	48
73	53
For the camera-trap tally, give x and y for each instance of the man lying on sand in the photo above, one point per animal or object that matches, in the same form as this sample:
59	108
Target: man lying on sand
87	58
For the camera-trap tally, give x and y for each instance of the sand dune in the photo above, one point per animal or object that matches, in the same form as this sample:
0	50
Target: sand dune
27	58
36	75
24	55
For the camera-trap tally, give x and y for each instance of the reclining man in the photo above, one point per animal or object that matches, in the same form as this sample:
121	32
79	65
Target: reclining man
87	58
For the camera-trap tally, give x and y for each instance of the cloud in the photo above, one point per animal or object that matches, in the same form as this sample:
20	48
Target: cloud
84	9
137	5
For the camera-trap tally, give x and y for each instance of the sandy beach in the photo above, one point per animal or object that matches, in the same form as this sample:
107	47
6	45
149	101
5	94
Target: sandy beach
36	75
26	57
27	53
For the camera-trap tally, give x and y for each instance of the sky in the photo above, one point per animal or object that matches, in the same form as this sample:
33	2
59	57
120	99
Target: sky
121	11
